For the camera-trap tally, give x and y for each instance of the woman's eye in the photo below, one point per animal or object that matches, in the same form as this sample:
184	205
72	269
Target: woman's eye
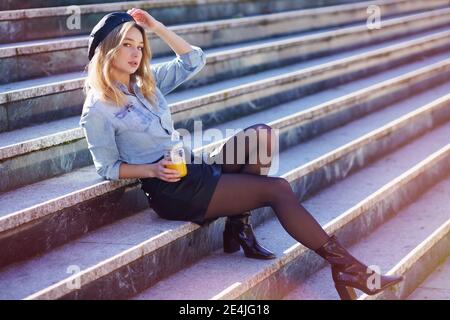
127	44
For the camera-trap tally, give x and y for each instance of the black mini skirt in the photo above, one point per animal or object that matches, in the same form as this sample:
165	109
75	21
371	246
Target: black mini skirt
188	198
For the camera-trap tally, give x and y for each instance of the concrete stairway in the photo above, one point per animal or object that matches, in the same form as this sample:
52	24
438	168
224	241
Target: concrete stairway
46	21
363	118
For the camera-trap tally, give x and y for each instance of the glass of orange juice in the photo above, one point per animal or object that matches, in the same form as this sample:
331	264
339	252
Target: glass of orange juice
177	156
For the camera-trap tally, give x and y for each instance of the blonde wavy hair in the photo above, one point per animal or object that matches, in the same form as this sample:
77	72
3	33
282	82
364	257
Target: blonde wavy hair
99	68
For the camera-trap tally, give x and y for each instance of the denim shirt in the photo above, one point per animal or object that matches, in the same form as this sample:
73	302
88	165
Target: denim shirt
136	133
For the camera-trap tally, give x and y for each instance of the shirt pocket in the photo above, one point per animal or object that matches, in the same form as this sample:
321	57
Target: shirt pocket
132	118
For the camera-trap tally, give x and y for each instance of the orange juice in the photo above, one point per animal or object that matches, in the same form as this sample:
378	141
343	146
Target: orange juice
176	155
180	167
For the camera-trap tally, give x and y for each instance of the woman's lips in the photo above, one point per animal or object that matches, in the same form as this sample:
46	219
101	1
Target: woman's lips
133	64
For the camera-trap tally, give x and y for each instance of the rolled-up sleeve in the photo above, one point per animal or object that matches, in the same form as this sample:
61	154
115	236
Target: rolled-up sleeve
100	137
171	74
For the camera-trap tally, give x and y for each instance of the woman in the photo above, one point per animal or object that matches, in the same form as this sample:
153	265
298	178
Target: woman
127	124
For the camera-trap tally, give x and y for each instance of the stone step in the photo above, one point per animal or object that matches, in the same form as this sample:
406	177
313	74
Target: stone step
41	100
419	231
40	23
425	257
59	199
29	155
30	4
38	58
435	286
350	208
343	150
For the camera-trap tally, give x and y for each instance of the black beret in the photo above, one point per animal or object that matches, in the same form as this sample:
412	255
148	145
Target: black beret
104	27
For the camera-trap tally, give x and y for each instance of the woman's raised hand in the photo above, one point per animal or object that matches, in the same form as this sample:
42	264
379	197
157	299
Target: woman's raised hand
144	19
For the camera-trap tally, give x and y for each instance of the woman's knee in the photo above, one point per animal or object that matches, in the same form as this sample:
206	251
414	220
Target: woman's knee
280	188
265	132
261	129
263	137
283	184
260	126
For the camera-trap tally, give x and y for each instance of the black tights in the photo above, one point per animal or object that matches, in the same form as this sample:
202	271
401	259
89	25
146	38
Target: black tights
246	186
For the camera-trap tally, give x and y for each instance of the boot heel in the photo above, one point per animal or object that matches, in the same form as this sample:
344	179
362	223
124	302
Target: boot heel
346	293
230	244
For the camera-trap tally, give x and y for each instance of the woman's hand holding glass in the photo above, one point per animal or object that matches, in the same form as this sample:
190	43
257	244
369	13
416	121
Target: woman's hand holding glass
158	170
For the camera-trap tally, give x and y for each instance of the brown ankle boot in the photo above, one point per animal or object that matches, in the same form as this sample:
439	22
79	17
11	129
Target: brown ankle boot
349	273
238	233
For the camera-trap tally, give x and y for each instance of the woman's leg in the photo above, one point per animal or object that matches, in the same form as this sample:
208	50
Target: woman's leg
250	191
253	189
248	151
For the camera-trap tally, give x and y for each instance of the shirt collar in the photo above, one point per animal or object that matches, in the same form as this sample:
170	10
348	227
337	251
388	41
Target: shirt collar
124	88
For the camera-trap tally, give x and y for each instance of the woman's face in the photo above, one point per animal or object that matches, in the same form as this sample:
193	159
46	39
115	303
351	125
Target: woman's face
128	58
